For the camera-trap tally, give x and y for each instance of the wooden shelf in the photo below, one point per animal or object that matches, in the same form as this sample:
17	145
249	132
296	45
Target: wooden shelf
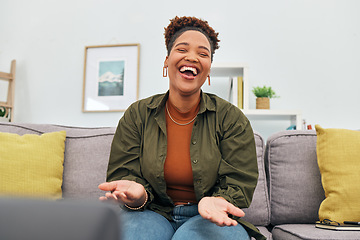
9	104
294	116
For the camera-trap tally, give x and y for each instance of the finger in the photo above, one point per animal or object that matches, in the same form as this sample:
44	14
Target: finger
218	220
231	222
113	198
103	186
107	186
110	196
223	221
103	199
120	196
235	211
234	223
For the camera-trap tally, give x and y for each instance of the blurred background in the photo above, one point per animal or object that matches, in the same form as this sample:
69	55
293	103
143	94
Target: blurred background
308	51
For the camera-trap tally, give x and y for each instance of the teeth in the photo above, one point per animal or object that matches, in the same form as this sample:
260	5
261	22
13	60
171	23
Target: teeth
184	68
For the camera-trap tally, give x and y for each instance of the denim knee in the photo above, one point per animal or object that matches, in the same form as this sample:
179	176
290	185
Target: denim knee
144	225
200	228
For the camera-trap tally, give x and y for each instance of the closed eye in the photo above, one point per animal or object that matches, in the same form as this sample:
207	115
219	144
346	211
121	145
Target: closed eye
204	54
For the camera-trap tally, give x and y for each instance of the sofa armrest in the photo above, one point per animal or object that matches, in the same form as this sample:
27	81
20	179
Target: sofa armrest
259	211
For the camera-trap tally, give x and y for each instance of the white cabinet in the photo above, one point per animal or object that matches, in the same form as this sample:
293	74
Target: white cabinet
231	70
294	116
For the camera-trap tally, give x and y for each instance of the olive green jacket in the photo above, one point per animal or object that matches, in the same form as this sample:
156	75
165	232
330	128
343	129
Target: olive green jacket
222	151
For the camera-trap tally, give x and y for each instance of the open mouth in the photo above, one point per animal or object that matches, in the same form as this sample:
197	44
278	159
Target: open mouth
189	71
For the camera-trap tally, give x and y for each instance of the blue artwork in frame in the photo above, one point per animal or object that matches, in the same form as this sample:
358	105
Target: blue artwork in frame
111	78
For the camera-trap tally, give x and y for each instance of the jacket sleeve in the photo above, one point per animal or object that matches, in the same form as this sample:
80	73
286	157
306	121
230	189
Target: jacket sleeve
238	170
124	161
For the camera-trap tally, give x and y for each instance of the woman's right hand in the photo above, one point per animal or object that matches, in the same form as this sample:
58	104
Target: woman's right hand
131	193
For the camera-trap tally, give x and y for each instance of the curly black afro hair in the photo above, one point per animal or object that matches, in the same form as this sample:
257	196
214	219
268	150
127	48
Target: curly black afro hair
179	25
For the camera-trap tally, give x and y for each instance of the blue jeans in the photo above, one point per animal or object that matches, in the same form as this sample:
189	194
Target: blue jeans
186	224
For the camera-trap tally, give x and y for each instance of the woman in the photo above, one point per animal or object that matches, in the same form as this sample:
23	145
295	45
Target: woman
184	163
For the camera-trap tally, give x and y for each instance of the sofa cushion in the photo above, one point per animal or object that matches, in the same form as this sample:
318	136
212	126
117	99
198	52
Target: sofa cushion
338	152
87	153
84	170
293	176
259	211
264	231
310	232
32	165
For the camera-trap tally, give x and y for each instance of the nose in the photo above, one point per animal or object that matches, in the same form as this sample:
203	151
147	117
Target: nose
191	57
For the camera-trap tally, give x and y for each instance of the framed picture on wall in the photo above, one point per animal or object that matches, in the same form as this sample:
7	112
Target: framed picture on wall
111	76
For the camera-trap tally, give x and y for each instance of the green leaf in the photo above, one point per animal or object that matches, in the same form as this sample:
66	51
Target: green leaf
264	92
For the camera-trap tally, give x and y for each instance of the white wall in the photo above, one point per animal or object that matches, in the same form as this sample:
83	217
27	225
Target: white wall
307	50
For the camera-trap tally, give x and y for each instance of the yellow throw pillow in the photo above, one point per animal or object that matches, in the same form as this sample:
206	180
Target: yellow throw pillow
338	154
32	165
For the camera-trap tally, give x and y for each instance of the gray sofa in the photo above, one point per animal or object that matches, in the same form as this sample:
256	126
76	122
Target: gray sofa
286	199
80	215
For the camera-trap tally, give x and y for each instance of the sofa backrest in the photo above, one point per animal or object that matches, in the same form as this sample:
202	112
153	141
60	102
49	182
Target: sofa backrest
259	211
294	178
86	159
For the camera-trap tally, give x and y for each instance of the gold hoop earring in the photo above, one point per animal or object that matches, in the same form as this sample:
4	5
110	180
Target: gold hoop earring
209	80
164	71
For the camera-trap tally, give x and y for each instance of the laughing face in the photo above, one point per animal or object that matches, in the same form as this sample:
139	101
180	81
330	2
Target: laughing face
188	63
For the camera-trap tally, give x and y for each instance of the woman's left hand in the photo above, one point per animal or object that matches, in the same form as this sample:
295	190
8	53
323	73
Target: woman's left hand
216	210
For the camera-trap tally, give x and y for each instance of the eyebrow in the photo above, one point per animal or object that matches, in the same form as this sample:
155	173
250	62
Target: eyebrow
187	44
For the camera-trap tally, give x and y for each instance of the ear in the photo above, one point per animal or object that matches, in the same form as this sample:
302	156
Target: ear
166	62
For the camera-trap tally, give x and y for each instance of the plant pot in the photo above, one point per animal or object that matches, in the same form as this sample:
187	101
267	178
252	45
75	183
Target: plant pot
263	103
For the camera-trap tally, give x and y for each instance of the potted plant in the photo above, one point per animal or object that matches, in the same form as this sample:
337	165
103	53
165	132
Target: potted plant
263	95
2	111
3	117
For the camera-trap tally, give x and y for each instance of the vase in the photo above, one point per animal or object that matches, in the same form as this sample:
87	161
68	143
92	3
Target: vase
262	103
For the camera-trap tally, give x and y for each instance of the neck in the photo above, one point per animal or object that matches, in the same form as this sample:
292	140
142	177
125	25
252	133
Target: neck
184	103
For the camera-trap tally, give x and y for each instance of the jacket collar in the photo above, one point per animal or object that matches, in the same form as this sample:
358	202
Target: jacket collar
158	102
